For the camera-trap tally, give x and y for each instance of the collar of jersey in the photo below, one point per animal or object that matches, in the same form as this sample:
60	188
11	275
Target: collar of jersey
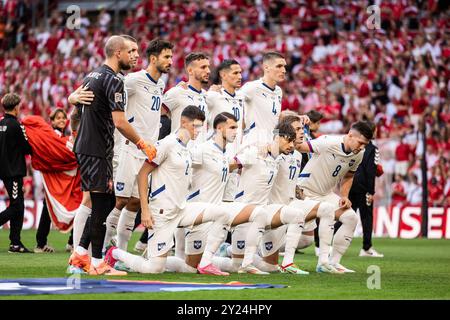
265	85
343	148
193	89
181	142
219	147
150	77
231	95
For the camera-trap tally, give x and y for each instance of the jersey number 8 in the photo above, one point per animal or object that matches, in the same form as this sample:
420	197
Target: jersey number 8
336	171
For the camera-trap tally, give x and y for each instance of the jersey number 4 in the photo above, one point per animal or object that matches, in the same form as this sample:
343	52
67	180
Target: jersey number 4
156	103
274	109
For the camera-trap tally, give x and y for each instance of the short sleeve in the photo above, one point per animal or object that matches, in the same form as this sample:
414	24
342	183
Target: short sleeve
247	156
162	150
211	97
319	145
130	85
196	155
115	93
246	92
170	99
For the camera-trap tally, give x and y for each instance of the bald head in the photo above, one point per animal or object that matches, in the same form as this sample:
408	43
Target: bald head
122	51
114	44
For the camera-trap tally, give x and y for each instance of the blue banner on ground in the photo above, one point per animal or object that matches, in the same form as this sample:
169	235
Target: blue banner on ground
73	285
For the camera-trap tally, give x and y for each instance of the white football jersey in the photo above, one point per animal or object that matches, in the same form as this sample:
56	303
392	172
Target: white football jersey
283	190
262	108
328	165
257	177
177	98
209	172
143	108
170	180
226	102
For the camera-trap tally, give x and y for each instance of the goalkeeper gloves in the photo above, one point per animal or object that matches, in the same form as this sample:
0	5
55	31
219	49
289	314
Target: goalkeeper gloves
148	150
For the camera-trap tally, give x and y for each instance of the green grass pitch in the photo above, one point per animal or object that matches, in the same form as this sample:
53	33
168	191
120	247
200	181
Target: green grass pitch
411	269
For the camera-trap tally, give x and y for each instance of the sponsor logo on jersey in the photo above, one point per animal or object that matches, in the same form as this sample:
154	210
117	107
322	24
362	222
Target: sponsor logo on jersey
241	244
161	246
268	245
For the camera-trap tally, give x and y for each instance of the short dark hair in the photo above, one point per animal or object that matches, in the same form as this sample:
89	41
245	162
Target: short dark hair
156	46
314	116
364	128
193	113
194	56
224	65
285	130
10	101
223	117
267	56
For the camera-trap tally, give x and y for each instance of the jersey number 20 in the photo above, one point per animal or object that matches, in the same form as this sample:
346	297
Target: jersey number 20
156	103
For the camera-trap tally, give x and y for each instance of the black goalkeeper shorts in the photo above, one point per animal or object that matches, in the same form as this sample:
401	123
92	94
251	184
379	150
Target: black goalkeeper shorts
96	173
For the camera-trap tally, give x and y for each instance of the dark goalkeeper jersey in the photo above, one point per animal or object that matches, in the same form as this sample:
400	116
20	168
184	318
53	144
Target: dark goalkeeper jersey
96	131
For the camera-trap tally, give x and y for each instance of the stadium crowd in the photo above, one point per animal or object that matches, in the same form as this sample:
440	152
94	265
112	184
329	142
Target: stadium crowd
396	75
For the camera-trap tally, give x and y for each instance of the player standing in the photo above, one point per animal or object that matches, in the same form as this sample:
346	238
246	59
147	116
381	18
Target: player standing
94	148
144	91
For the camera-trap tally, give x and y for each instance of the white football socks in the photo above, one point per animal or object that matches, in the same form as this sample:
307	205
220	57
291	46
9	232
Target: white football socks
111	225
79	222
125	228
343	237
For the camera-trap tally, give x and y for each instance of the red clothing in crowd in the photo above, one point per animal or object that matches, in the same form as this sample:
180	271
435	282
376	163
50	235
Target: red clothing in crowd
402	152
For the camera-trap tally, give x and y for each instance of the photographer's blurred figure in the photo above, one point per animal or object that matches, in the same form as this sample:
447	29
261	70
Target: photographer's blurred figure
13	148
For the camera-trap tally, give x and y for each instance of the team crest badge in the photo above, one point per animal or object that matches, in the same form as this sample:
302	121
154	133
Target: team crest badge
352	162
161	246
241	244
120	186
268	245
197	244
